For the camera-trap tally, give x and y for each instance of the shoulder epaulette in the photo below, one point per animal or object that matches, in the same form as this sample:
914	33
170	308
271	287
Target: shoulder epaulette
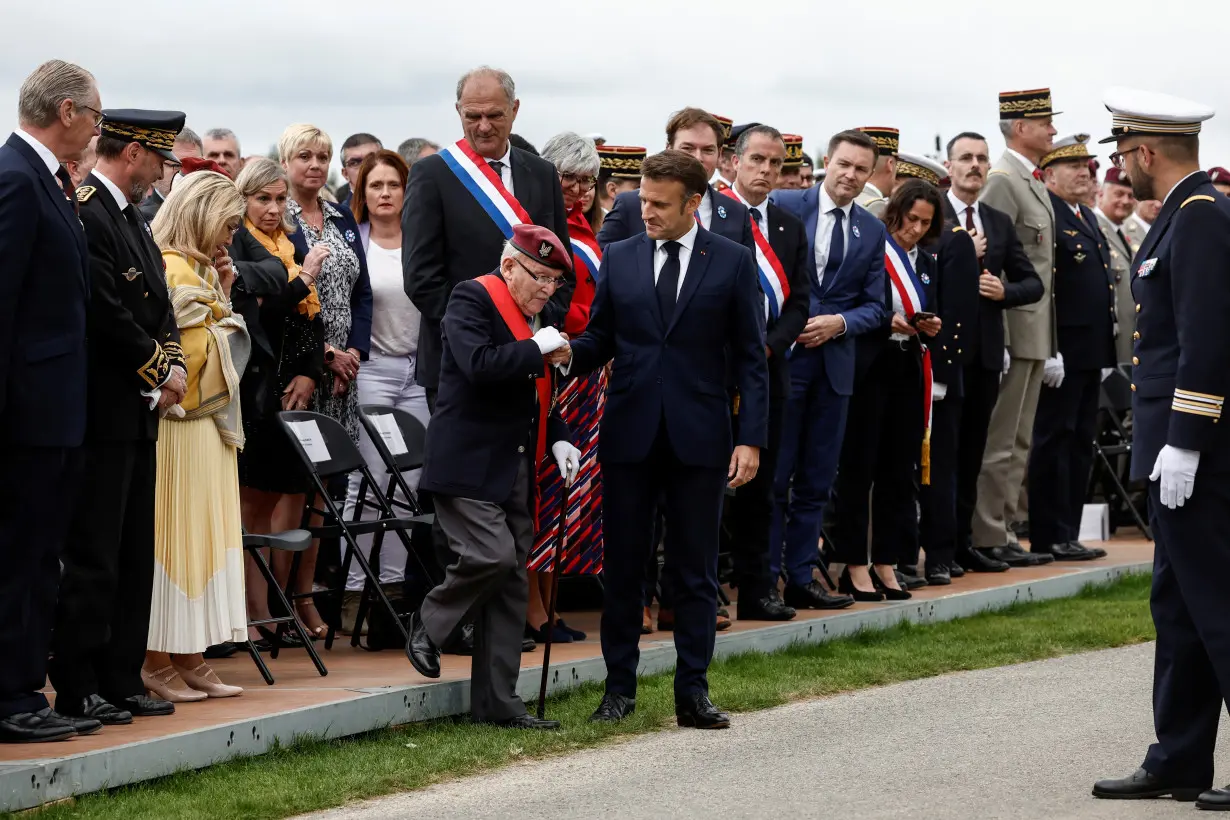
957	229
86	191
995	171
1197	198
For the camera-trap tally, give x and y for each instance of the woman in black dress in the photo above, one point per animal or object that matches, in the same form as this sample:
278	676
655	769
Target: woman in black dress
275	293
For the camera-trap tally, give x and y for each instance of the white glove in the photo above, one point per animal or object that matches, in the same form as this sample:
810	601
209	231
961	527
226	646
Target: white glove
1052	371
568	459
548	340
1177	470
1007	360
938	391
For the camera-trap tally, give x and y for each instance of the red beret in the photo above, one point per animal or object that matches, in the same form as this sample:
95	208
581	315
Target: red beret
542	245
189	164
1116	176
1219	174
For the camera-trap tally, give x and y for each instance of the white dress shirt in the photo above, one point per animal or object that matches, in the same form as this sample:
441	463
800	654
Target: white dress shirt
824	230
687	241
960	208
506	171
705	211
762	209
121	201
44	153
1024	160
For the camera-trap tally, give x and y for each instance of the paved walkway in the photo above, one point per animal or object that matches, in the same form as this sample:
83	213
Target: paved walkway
1018	742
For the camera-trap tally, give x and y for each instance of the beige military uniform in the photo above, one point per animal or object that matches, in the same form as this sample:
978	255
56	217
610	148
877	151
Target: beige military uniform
873	200
1120	267
1011	188
1135	231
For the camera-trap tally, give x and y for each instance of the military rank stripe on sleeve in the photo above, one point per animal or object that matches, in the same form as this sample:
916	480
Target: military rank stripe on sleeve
1200	404
154	371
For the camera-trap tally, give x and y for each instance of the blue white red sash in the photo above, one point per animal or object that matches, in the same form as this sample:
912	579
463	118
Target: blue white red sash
485	184
585	250
773	279
913	299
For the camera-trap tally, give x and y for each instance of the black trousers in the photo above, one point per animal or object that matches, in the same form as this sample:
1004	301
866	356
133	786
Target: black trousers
1191	671
981	389
39	486
751	515
880	457
102	619
693	512
1062	456
938	500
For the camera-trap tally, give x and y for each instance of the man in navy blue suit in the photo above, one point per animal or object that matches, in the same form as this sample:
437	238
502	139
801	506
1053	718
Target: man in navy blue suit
847	299
44	290
669	306
698	133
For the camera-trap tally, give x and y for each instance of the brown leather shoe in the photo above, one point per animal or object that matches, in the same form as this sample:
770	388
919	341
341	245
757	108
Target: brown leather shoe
723	622
646	622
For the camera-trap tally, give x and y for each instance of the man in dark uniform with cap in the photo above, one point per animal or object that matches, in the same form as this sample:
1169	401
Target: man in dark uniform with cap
135	370
790	178
494	421
1180	379
1066	419
619	170
884	178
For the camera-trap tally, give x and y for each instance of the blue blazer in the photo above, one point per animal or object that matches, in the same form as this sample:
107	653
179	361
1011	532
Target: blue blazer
44	291
856	291
672	369
729	220
360	337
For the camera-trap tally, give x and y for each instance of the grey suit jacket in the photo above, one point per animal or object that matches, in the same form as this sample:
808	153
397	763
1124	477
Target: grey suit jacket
1011	188
1120	269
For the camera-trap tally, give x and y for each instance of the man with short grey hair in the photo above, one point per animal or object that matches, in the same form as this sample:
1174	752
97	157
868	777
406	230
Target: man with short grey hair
415	149
44	293
222	146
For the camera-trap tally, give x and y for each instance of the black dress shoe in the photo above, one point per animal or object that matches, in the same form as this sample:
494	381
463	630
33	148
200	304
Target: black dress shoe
1014	556
524	722
463	643
221	650
1063	552
613	708
143	705
910	579
1140	785
81	725
527	645
888	592
956	570
975	560
35	727
577	635
768	608
814	596
94	707
696	711
1214	800
423	654
1098	552
846	585
939	575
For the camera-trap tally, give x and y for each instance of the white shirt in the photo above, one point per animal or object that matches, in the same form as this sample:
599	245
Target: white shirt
960	208
44	153
506	171
121	201
762	209
705	211
1171	191
1076	209
824	230
685	255
1026	161
395	320
912	253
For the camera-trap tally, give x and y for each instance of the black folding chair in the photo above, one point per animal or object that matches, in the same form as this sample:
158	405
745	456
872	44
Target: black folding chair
327	452
296	541
1112	446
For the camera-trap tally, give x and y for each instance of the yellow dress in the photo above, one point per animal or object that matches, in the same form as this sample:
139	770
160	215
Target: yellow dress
198	596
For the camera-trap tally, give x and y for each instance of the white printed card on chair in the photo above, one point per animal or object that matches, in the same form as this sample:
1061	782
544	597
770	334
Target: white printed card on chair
390	432
311	439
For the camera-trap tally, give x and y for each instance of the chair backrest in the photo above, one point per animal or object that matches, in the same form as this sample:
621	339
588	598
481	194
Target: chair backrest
322	442
1116	392
411	435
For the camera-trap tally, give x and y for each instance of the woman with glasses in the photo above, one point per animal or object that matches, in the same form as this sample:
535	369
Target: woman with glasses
580	404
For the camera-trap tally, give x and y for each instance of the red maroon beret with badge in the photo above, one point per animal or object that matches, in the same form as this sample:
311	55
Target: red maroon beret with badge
1117	176
543	246
188	165
1219	174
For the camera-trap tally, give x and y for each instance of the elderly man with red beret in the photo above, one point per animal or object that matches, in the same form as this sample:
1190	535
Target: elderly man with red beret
495	419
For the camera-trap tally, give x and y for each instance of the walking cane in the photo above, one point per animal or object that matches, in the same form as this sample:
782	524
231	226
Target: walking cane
555	572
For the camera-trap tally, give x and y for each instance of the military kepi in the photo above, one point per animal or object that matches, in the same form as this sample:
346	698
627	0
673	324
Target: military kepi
1150	114
541	245
920	167
1015	105
154	130
794	151
1071	148
887	140
620	161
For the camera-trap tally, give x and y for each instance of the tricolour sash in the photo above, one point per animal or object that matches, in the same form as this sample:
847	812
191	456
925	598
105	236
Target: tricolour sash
585	250
913	299
485	185
773	279
517	324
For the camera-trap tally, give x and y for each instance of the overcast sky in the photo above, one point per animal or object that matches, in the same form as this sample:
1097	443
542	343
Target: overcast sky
810	68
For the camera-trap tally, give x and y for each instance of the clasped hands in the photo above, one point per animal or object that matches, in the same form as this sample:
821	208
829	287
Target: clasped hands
174	390
820	329
930	326
553	345
345	368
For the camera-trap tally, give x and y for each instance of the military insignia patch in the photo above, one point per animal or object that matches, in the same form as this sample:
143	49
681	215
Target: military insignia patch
85	192
1071	233
544	250
131	274
1080	257
1146	267
721	212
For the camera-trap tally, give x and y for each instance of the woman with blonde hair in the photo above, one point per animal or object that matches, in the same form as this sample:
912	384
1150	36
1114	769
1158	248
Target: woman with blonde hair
198	596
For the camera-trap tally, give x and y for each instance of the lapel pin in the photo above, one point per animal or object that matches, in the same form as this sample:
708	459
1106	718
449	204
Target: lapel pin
131	274
854	230
781	228
721	211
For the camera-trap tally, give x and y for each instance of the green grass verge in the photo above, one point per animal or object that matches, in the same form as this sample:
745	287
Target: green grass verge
313	775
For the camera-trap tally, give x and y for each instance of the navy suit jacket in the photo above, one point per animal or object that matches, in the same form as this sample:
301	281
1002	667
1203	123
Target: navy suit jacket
672	370
44	292
1084	290
360	337
486	416
957	304
856	291
729	219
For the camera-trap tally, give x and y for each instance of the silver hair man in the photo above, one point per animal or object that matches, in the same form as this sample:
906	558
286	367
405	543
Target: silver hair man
572	154
506	81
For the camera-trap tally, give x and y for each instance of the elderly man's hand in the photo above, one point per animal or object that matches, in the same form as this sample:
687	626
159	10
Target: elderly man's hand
744	462
561	355
177	384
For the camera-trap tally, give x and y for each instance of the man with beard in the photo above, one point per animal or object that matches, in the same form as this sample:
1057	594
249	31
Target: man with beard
187	144
884	178
135	372
1115	203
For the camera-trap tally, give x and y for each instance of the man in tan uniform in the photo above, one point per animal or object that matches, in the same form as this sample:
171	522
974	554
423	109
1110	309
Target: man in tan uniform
1115	204
884	178
1136	227
1014	187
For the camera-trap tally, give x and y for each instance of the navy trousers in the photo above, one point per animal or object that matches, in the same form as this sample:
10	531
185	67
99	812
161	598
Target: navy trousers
1062	457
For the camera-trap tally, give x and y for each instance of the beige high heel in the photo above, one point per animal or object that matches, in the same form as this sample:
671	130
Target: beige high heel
168	685
205	679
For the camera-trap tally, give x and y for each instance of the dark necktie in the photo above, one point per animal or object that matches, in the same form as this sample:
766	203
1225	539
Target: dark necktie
498	167
756	216
668	281
66	183
969	224
837	245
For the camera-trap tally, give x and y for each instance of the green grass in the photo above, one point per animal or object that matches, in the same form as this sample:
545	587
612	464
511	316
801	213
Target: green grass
313	775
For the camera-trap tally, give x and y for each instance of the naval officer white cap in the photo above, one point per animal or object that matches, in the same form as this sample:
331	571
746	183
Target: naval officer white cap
1149	113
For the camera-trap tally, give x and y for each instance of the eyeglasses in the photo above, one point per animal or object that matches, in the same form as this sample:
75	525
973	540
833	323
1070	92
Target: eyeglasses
353	162
98	115
549	281
585	182
1118	158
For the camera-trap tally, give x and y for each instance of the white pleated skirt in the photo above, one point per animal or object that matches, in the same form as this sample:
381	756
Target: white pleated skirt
198	541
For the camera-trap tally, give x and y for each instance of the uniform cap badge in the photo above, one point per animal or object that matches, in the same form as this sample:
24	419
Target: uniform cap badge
131	274
544	250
